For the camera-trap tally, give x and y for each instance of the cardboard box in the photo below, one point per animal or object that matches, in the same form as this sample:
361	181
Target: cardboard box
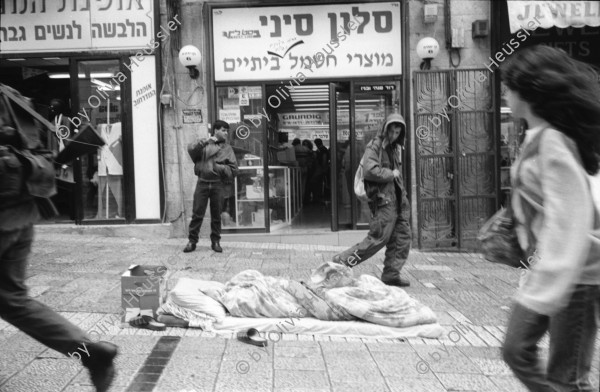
143	288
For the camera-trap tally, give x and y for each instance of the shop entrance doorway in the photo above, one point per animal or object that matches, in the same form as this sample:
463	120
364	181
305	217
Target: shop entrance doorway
322	131
301	123
41	80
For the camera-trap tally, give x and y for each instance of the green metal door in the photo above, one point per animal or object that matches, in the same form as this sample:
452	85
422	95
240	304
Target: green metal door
455	158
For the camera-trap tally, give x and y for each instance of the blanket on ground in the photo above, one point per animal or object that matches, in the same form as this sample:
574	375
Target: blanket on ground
333	294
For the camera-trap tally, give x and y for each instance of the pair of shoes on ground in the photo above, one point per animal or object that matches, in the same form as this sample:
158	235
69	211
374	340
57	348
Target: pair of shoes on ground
100	364
147	322
171	321
191	246
252	336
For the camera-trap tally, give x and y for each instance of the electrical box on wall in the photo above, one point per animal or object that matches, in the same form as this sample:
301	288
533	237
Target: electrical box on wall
480	29
430	13
458	37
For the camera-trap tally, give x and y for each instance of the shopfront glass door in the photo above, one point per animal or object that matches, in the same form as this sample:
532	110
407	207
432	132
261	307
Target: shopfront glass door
374	101
341	177
357	113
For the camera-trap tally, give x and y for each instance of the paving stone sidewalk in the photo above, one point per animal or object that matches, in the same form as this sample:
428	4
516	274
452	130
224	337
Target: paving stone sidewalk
79	276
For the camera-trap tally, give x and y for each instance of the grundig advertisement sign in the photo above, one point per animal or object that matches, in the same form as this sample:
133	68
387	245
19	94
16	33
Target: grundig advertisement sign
316	41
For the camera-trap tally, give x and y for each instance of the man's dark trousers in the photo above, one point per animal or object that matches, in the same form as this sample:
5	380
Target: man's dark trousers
388	227
20	310
204	192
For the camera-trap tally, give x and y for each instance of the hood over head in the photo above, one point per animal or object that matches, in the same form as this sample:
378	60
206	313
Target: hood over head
395	118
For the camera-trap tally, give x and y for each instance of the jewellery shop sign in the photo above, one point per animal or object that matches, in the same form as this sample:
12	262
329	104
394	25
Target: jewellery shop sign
312	41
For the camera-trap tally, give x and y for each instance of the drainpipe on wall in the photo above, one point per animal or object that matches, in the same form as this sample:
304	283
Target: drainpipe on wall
179	164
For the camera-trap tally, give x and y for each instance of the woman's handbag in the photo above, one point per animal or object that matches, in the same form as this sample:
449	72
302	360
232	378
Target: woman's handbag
498	238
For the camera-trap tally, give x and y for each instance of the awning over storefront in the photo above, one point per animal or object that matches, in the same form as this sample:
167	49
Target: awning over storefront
546	14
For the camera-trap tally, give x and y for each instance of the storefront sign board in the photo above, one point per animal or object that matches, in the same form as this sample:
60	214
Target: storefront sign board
547	14
64	26
302	118
307	41
145	139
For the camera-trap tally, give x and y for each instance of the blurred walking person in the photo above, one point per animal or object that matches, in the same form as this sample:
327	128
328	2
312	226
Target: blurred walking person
319	183
302	156
556	218
21	174
311	158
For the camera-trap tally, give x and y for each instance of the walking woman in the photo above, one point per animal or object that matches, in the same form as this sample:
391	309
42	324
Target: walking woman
557	222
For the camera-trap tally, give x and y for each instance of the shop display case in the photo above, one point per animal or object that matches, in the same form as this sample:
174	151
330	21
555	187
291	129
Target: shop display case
249	197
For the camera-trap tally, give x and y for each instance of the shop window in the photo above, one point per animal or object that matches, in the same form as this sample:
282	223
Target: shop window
241	107
512	131
102	172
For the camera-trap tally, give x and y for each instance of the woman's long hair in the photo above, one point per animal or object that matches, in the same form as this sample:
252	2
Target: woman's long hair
562	91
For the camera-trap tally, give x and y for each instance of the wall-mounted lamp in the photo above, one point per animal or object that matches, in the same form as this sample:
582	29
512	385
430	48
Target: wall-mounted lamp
427	49
165	99
190	57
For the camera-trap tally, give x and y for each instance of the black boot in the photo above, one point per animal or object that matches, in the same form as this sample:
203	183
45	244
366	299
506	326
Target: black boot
216	247
391	273
398	282
100	364
190	247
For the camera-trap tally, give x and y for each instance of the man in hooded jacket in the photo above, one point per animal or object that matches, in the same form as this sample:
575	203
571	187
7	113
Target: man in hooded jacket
389	205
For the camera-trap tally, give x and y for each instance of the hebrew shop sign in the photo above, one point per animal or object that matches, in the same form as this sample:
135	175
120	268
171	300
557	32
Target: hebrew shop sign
75	25
317	41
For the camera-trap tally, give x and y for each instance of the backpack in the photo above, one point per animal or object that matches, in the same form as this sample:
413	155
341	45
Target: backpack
25	169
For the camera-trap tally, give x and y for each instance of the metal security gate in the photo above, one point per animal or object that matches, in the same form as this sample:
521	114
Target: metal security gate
456	164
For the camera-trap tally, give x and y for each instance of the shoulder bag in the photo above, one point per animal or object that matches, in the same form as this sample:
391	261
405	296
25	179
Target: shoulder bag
498	236
359	183
359	179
